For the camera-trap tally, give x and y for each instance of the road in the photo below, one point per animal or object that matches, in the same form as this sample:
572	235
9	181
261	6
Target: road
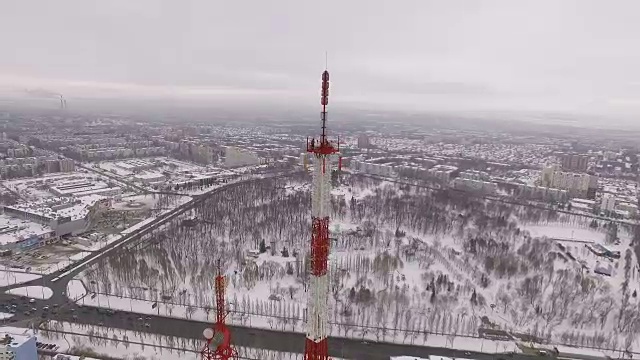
242	336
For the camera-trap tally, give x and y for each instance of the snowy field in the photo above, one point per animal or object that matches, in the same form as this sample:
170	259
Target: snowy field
565	231
35	292
404	261
9	277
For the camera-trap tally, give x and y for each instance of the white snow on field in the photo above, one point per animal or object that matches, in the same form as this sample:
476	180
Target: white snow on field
36	292
565	231
136	202
182	200
76	289
53	267
99	244
8	277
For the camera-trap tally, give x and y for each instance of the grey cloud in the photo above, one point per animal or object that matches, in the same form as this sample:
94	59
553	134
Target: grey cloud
42	93
545	54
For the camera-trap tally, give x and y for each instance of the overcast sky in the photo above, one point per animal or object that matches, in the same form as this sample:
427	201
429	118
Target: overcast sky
577	55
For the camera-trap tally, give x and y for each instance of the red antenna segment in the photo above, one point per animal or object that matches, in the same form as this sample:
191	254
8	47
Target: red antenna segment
218	346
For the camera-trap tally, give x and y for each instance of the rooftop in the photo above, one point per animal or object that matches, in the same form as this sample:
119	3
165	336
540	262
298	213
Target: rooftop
149	175
68	188
54	208
13	230
18	335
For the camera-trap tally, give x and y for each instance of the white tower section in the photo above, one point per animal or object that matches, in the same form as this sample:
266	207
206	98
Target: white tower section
321	187
317	306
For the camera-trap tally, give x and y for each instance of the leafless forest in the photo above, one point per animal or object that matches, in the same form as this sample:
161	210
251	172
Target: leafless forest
406	262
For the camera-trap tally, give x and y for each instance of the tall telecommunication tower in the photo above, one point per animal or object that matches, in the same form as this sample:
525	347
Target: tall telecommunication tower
316	347
218	346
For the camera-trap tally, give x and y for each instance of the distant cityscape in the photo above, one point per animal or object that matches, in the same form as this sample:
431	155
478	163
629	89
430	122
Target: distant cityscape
74	185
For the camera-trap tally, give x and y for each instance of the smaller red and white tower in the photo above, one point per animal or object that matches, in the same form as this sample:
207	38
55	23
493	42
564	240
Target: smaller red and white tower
218	346
316	347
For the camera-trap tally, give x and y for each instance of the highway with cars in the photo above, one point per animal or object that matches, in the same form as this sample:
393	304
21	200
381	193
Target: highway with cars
242	336
31	312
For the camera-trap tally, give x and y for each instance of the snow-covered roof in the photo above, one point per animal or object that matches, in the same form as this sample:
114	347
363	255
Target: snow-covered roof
149	175
53	208
18	335
12	230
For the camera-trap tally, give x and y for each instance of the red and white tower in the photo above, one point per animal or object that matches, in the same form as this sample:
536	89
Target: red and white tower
218	346
316	342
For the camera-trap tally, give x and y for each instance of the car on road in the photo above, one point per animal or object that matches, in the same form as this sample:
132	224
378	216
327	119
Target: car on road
32	301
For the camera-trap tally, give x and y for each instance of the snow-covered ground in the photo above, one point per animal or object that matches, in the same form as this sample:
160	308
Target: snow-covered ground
36	292
9	277
566	231
403	260
136	202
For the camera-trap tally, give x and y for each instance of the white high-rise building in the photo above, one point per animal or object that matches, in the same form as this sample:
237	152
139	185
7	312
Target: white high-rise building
237	157
6	354
18	346
577	184
608	202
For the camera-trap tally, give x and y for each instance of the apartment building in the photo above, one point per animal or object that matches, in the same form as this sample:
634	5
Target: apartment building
576	184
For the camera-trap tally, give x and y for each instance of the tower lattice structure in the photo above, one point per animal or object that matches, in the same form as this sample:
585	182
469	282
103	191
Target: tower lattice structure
218	346
316	347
